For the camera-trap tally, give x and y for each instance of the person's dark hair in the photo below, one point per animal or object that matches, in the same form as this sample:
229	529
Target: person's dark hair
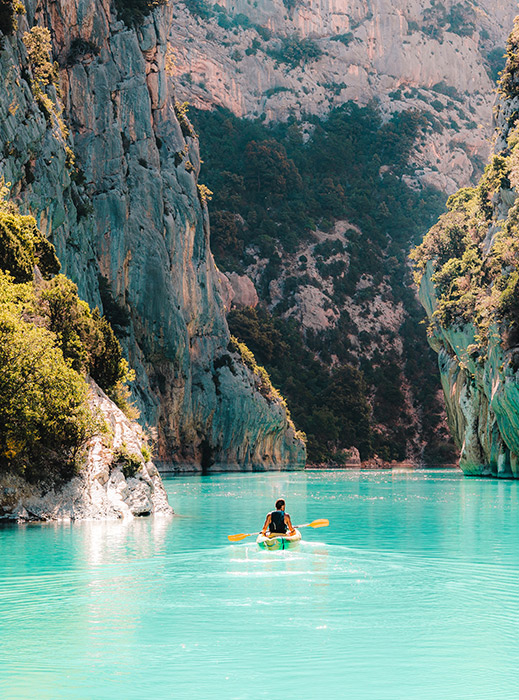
280	502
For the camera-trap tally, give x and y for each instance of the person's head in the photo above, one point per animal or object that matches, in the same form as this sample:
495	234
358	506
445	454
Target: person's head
280	504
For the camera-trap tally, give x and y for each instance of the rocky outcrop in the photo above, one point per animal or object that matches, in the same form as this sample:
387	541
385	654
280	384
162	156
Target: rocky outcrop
468	271
107	485
244	291
409	54
130	224
481	393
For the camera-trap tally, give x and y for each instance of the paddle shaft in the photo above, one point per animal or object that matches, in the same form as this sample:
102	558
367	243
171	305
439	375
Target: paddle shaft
323	522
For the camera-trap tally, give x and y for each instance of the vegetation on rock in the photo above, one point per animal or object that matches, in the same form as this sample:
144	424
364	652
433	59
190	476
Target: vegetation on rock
329	406
49	341
133	12
473	251
9	9
273	186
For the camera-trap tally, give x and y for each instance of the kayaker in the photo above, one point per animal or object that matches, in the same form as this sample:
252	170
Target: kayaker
278	522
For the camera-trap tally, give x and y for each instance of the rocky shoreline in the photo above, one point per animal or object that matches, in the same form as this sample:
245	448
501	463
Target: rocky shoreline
105	487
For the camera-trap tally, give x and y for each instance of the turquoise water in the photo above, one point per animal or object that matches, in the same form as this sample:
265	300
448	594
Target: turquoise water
412	593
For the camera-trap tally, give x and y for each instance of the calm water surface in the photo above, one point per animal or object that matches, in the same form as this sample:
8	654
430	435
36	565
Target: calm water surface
412	593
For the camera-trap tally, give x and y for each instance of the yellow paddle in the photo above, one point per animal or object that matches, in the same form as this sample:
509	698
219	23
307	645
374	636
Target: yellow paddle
316	523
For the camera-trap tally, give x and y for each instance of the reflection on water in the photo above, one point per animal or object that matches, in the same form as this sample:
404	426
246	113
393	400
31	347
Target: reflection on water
406	596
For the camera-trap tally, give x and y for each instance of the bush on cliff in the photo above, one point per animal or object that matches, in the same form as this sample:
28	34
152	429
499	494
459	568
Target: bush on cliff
133	12
9	9
474	284
85	338
22	247
45	419
330	407
49	341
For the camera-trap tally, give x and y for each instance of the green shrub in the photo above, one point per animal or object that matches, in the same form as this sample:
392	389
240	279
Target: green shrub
22	247
508	86
296	51
9	9
345	39
45	420
80	48
199	8
129	462
133	12
86	339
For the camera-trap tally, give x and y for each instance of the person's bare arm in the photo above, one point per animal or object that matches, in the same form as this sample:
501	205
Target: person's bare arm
291	528
265	526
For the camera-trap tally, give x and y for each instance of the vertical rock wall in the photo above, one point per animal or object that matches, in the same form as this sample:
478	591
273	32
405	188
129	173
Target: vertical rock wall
130	212
469	269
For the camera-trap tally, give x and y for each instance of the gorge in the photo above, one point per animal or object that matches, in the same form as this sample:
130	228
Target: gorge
327	156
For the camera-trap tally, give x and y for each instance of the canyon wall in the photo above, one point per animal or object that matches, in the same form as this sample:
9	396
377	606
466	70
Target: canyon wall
410	54
467	268
112	181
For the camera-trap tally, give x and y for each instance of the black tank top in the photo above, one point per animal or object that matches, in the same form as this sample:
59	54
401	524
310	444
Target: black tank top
277	521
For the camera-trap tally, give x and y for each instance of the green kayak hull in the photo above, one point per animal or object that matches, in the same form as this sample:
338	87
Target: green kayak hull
279	541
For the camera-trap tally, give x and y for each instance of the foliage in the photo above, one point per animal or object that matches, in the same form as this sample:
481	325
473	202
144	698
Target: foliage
475	274
296	51
460	19
133	12
85	338
22	246
9	9
45	83
44	415
282	187
508	86
295	187
204	194
181	110
81	47
496	59
330	407
129	462
263	382
49	340
345	39
45	73
199	8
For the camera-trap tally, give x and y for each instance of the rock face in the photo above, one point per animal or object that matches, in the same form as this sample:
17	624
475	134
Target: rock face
422	54
468	272
101	491
130	225
244	291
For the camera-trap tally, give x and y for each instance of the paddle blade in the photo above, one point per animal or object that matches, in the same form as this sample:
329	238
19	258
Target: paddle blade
237	538
323	522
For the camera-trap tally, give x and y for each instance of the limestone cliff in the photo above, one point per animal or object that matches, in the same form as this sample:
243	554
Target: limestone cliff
468	270
112	181
438	57
115	481
293	60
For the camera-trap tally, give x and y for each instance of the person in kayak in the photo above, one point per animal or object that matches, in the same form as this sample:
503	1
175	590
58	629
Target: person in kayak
278	522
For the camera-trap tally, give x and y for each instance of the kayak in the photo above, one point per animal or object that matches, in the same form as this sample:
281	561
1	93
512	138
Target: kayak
274	542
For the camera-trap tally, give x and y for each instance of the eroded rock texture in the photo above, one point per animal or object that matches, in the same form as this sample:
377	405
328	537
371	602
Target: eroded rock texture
131	229
432	56
468	268
106	487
